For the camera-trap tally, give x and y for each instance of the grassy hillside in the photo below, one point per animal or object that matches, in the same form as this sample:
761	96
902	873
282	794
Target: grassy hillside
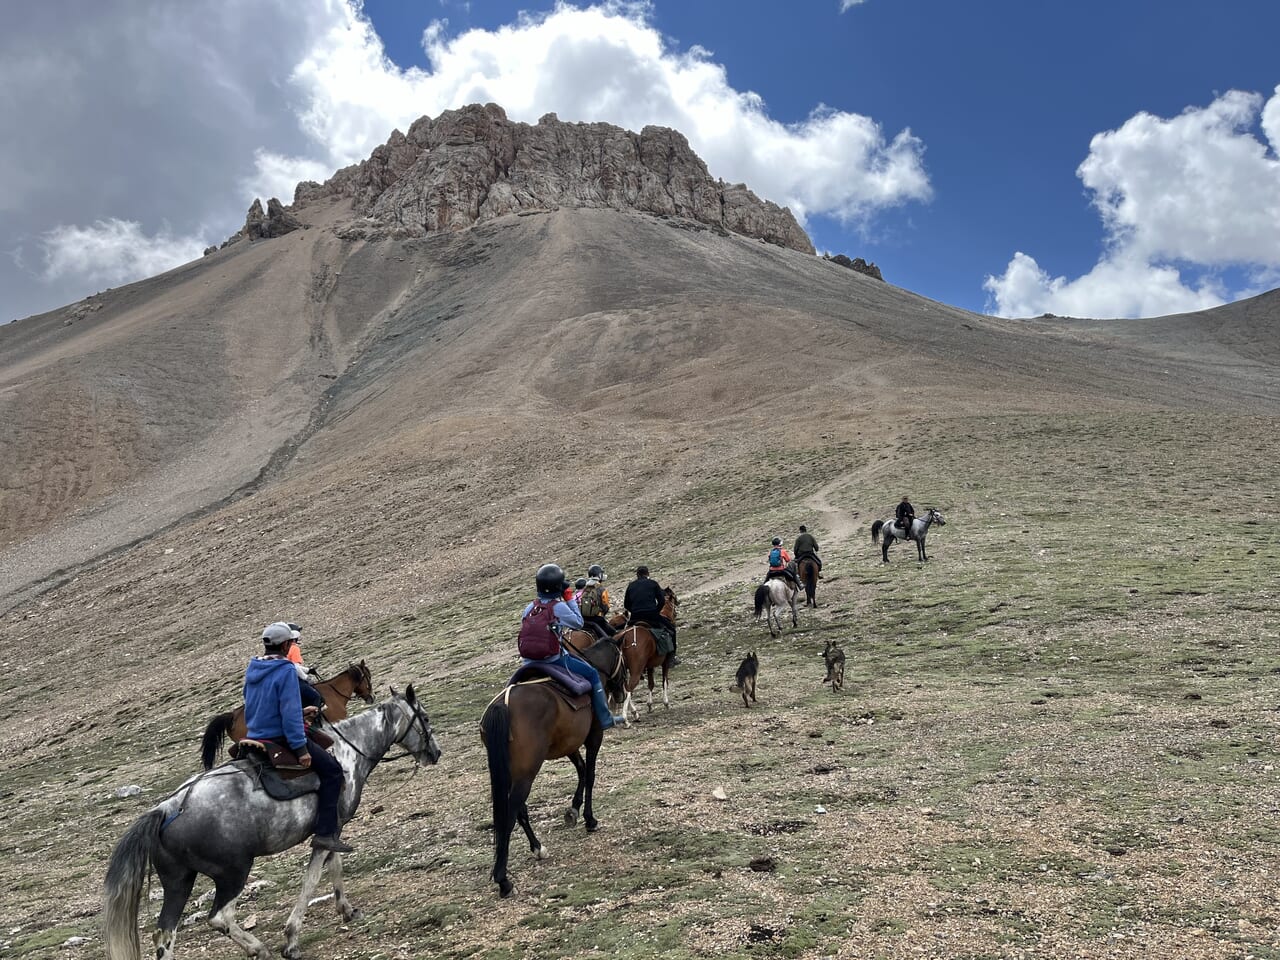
1055	738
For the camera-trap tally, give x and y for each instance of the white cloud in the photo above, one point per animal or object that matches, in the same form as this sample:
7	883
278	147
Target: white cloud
605	63
173	117
849	4
113	252
1199	189
276	175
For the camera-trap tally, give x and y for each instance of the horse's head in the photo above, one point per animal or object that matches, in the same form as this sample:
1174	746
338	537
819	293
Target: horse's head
416	736
936	517
363	689
669	608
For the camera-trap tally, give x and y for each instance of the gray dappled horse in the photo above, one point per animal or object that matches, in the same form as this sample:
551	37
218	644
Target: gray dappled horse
219	821
890	530
770	596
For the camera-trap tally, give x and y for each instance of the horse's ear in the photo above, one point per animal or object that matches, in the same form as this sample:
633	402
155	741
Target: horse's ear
394	692
409	696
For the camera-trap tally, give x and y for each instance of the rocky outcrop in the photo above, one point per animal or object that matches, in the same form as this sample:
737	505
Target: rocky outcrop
870	269
276	221
474	164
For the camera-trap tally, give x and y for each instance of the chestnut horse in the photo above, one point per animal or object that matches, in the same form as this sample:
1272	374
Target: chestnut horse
526	724
355	681
640	651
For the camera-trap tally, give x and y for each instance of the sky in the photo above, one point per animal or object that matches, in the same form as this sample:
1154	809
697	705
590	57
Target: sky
1090	159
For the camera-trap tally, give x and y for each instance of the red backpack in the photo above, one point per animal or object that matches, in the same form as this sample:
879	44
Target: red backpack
539	635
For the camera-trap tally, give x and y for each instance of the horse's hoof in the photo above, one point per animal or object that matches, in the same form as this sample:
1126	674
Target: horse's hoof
592	825
541	853
570	817
505	887
289	952
355	913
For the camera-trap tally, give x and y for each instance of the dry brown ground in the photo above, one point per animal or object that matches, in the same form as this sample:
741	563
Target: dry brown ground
384	439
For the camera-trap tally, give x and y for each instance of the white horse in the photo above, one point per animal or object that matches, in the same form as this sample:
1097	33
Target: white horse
919	530
218	822
772	594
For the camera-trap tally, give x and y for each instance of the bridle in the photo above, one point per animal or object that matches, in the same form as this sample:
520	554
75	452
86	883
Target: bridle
418	718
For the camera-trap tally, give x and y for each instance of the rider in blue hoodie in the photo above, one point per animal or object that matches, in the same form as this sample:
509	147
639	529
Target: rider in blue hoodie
273	711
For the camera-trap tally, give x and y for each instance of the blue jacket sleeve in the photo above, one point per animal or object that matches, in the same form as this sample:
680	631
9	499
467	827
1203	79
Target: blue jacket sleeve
290	701
568	614
309	695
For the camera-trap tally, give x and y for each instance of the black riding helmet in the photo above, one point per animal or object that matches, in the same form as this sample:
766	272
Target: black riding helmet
595	572
550	579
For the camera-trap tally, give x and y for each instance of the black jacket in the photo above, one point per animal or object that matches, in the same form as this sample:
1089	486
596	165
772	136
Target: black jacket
805	543
905	509
643	595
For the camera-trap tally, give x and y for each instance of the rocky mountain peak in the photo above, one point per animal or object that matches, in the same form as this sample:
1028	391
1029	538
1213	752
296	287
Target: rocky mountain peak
474	164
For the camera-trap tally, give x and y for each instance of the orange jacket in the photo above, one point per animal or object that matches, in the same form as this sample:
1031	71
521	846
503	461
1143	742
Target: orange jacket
786	558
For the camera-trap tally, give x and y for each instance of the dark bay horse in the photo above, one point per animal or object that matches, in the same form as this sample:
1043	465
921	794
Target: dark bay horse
808	571
220	821
525	725
890	530
640	651
355	681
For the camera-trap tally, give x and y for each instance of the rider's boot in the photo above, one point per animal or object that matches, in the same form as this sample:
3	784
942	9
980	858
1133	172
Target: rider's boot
601	706
331	842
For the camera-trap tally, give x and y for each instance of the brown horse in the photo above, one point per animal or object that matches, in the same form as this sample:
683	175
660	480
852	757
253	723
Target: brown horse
526	724
808	571
640	651
605	657
355	681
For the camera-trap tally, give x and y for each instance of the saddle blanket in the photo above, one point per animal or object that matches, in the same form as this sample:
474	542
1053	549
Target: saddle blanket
575	684
256	766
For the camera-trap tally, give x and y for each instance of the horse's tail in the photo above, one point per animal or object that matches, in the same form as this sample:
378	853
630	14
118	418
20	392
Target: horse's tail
122	889
496	724
762	597
211	742
875	531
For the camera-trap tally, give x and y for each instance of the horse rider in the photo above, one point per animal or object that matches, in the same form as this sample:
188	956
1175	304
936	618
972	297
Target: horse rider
780	564
273	711
906	515
593	601
644	601
553	588
307	676
807	546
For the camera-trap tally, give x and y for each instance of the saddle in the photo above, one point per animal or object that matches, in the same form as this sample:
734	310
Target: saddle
574	689
275	768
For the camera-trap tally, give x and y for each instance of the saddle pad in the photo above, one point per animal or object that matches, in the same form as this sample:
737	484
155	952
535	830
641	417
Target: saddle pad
270	780
575	684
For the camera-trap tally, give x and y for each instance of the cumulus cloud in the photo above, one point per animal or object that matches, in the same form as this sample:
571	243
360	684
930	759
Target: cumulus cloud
173	117
849	4
1187	195
113	251
605	63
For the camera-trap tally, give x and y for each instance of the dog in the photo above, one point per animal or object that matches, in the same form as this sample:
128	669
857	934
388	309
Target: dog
834	657
745	683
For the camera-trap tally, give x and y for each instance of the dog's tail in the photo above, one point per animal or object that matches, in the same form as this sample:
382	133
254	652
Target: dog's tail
762	596
875	531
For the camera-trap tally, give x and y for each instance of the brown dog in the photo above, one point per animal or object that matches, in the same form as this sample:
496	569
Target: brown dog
834	657
746	679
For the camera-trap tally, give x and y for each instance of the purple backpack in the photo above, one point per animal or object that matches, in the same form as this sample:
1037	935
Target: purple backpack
539	635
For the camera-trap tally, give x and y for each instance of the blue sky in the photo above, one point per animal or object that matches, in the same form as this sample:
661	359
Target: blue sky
953	144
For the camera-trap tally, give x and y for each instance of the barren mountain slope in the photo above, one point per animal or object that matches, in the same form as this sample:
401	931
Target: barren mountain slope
384	438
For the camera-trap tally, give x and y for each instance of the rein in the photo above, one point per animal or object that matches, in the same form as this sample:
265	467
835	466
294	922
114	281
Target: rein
417	718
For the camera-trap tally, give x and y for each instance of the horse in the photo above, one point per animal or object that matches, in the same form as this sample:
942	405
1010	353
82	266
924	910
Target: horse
808	571
523	726
355	681
640	652
218	822
772	594
606	657
919	530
